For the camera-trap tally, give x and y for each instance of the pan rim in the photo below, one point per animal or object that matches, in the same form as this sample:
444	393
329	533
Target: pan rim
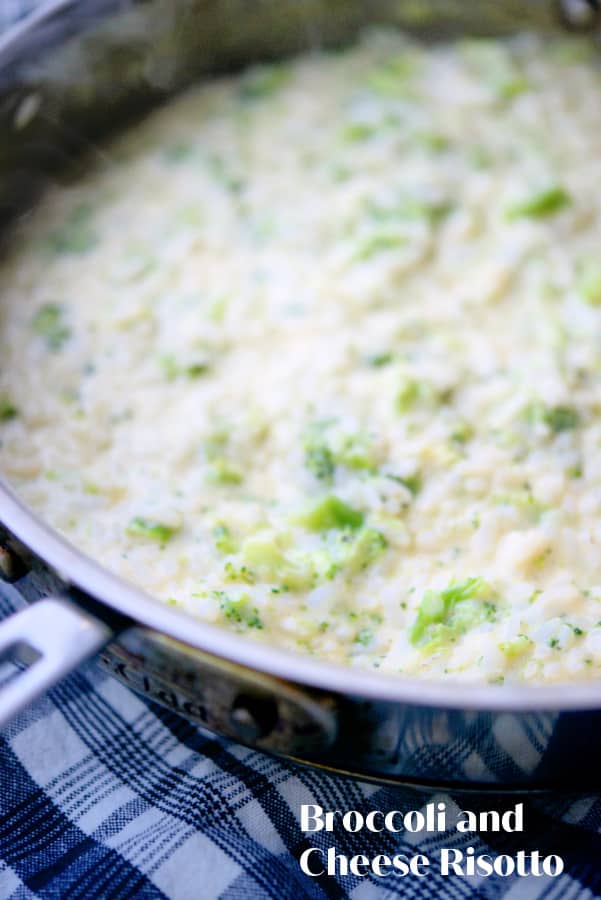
79	570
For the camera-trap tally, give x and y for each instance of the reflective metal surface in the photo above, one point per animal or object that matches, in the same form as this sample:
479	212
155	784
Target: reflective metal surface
64	81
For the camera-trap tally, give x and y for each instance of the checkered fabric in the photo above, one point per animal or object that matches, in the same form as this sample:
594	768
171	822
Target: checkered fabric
13	10
106	795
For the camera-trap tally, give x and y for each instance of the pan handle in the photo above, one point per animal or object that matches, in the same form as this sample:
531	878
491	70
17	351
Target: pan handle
58	635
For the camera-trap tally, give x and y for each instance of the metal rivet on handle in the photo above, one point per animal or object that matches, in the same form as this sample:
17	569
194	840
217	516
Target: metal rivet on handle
253	717
11	567
579	14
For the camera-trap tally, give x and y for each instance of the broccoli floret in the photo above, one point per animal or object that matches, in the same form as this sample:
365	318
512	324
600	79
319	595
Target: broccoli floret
331	512
49	323
462	433
364	637
562	418
356	132
496	66
589	281
264	81
445	615
379	360
239	609
411	209
323	452
368	546
178	152
540	206
224	542
395	76
557	418
319	459
414	393
8	410
516	647
433	141
154	531
238	573
382	242
413	483
265	556
221	471
174	368
76	235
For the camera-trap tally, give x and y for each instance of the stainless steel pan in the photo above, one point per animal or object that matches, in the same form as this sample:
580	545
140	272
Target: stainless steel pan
67	77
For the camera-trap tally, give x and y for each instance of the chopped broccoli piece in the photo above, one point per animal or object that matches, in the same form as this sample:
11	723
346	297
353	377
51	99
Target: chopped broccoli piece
218	308
218	168
221	471
49	323
174	368
368	546
331	512
573	50
178	152
355	452
75	236
497	68
364	637
239	609
515	647
408	395
323	454
379	360
216	442
511	88
562	418
547	203
394	77
264	81
240	573
443	616
155	531
265	556
319	459
462	433
413	483
195	369
480	156
355	132
224	542
8	410
557	418
432	140
523	501
414	393
346	553
413	209
263	552
588	282
377	244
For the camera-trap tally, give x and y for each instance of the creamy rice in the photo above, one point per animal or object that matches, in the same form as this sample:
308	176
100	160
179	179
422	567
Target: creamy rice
315	354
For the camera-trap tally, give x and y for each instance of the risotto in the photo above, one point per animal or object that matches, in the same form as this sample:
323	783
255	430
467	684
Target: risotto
314	353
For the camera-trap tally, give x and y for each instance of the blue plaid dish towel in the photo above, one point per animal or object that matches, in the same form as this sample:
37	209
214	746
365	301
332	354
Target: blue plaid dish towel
105	795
